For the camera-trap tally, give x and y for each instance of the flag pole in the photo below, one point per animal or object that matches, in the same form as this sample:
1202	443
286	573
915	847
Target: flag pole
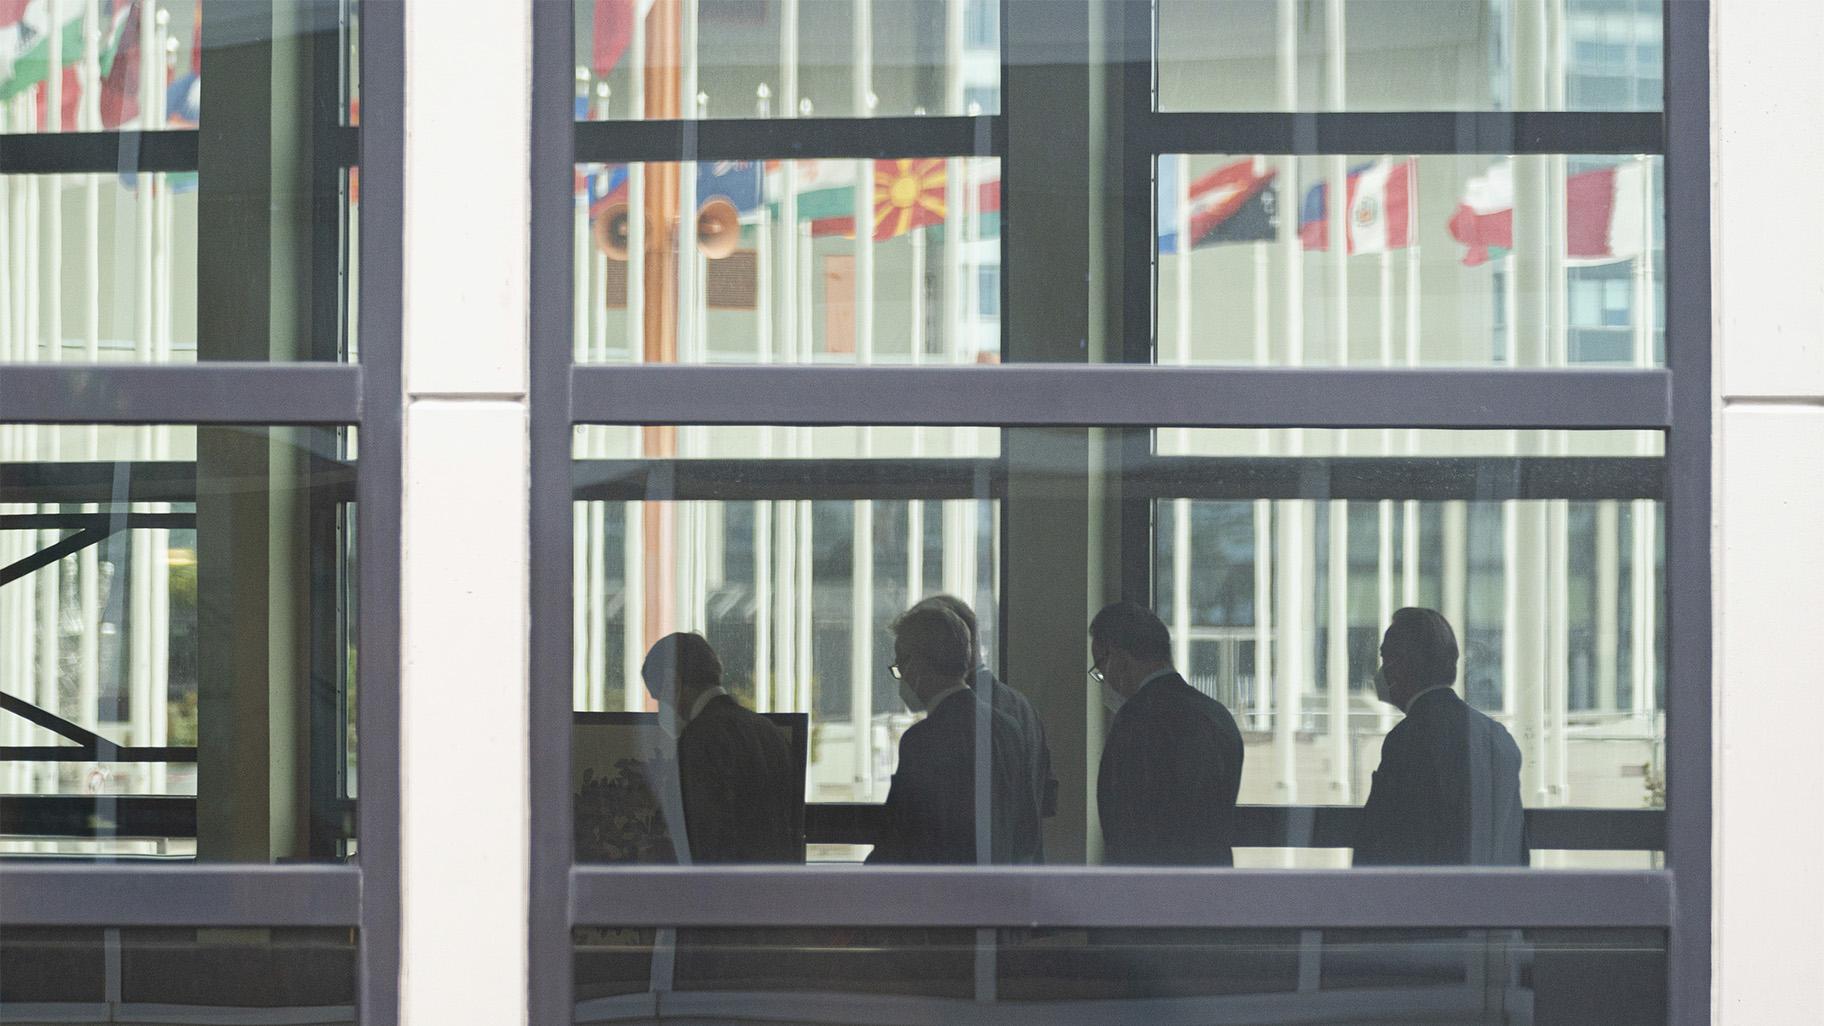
1383	560
1409	534
1525	526
783	514
88	564
861	595
1336	634
1296	517
1181	437
1645	514
10	605
1259	697
51	318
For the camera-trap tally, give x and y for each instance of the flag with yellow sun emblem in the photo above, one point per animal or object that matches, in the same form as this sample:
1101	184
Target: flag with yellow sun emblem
908	194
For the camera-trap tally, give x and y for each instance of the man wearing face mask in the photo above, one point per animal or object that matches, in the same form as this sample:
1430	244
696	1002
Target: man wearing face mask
734	766
962	792
1447	791
1171	764
1006	699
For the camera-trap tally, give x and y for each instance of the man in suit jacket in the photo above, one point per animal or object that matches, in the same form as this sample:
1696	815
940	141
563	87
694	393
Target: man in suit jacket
734	765
962	751
1006	699
1171	764
1447	792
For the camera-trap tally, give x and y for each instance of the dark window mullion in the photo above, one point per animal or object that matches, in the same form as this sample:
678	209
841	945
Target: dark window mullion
1100	395
198	393
1131	896
793	138
1416	132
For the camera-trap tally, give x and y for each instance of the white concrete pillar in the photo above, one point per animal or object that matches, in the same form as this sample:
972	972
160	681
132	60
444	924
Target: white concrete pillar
1769	559
464	591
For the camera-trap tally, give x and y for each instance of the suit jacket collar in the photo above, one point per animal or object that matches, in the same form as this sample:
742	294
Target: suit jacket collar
1420	697
703	700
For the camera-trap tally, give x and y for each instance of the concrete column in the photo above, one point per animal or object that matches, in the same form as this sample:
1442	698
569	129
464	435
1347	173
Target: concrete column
1063	176
255	242
1769	557
464	582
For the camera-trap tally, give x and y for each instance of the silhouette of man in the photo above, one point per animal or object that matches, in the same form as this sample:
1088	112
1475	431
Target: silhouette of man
1009	701
1171	764
734	766
1447	791
961	751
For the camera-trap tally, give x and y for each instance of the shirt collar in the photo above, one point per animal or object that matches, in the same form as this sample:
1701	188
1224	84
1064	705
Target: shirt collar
703	700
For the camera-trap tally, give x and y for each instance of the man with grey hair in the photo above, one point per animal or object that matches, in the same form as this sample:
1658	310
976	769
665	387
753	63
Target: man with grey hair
1448	788
961	791
1005	699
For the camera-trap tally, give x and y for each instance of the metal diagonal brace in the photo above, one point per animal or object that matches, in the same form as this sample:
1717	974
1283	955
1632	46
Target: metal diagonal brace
45	557
53	722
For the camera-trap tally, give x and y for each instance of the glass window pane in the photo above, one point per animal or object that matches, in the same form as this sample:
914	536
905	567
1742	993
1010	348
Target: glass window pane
1345	977
1402	55
837	59
235	977
1448	260
759	262
249	253
177	642
108	83
1274	561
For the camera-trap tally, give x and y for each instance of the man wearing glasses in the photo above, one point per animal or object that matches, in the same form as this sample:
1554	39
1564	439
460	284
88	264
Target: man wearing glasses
962	791
1171	764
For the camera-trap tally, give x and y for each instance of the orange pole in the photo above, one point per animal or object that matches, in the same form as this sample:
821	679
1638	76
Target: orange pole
664	75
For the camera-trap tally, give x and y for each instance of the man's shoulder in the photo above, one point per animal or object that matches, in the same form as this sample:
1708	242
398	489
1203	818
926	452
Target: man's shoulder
1174	696
1007	698
725	716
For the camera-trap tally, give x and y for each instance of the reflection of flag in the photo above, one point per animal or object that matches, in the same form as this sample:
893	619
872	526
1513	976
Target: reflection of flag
908	194
826	195
120	71
1484	218
71	101
1604	218
737	181
1603	214
184	101
613	32
604	186
1233	203
988	206
1380	208
25	43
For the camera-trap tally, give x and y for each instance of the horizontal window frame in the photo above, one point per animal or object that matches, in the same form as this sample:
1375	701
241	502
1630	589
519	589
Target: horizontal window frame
604	142
1394	477
1443	133
1110	896
1122	395
1561	828
163	151
208	392
124	894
